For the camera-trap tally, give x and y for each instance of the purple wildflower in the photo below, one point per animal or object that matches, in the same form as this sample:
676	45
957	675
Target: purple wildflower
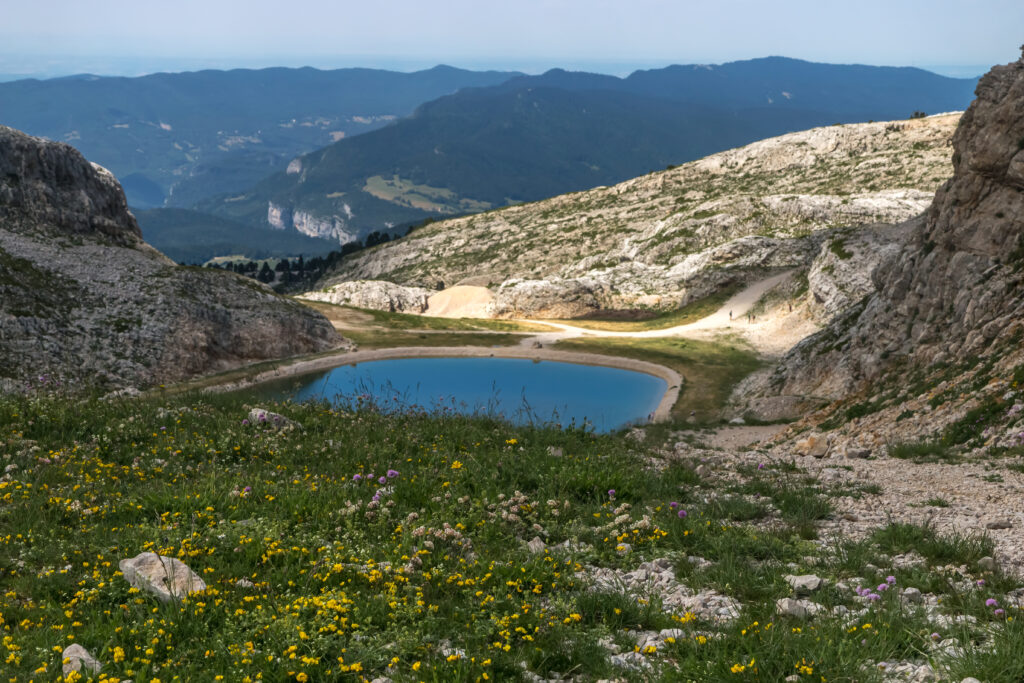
673	505
999	612
682	513
611	493
991	602
890	580
392	474
382	480
357	477
981	582
882	587
245	421
873	597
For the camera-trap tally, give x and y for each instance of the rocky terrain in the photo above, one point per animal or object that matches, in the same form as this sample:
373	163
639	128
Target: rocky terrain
935	353
670	237
83	298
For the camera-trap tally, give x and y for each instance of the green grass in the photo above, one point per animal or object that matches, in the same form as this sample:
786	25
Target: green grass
685	315
921	451
710	369
348	316
334	572
383	339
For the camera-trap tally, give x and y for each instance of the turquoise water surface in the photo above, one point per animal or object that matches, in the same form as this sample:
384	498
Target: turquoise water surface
520	390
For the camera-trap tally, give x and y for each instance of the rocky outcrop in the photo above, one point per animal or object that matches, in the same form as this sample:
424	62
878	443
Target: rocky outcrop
955	291
332	227
374	294
547	298
84	299
842	273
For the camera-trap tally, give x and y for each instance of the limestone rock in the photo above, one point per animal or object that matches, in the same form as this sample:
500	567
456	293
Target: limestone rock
167	578
77	658
262	416
792	608
374	294
998	524
815	445
536	545
547	298
804	584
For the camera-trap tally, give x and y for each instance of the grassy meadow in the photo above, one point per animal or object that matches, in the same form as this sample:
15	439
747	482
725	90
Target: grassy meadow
366	545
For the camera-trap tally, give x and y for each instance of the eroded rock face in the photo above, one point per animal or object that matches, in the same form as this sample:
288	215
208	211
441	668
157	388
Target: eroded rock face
957	288
52	183
375	294
547	298
83	298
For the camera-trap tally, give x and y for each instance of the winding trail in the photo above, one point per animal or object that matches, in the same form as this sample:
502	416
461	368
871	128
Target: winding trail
738	306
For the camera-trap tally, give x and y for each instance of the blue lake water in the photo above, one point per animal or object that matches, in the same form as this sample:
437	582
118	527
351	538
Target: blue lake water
521	390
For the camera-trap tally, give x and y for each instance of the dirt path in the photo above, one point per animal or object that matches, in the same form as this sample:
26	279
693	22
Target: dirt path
770	335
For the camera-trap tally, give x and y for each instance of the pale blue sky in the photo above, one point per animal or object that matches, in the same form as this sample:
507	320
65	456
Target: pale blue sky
135	36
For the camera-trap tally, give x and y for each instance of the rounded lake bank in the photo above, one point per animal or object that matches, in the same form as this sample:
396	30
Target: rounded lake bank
520	389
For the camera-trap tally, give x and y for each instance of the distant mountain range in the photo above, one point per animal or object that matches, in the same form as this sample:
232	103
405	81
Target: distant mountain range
341	154
175	139
532	137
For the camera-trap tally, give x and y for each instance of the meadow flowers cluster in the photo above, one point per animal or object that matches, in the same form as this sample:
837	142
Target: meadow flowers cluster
367	545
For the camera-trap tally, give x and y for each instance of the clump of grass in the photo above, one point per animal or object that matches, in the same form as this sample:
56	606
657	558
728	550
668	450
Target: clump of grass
921	451
955	548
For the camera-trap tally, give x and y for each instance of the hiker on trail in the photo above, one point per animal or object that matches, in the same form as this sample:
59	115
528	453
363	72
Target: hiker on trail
791	308
730	315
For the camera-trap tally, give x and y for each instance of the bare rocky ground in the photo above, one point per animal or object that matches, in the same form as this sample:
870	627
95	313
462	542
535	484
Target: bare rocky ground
671	237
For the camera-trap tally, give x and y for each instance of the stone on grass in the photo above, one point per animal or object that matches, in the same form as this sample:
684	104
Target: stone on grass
262	416
554	452
167	578
912	595
792	608
536	545
75	658
245	583
999	524
987	564
805	584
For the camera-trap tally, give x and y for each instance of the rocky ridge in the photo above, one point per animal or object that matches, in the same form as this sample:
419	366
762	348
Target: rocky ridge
670	237
83	298
935	353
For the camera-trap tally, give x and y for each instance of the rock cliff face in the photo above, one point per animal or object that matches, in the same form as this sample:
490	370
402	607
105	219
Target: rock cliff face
82	297
953	296
333	228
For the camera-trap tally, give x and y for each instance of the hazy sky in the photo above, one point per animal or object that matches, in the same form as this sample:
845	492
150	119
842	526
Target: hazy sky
46	36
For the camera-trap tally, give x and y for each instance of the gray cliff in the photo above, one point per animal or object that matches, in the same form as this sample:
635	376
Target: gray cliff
83	298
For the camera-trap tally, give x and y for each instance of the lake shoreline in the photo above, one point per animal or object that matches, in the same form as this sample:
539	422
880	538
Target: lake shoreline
662	413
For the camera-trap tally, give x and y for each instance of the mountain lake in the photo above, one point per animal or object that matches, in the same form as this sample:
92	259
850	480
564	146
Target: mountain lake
523	391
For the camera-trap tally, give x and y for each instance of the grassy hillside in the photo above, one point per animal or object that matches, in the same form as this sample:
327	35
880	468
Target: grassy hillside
366	545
